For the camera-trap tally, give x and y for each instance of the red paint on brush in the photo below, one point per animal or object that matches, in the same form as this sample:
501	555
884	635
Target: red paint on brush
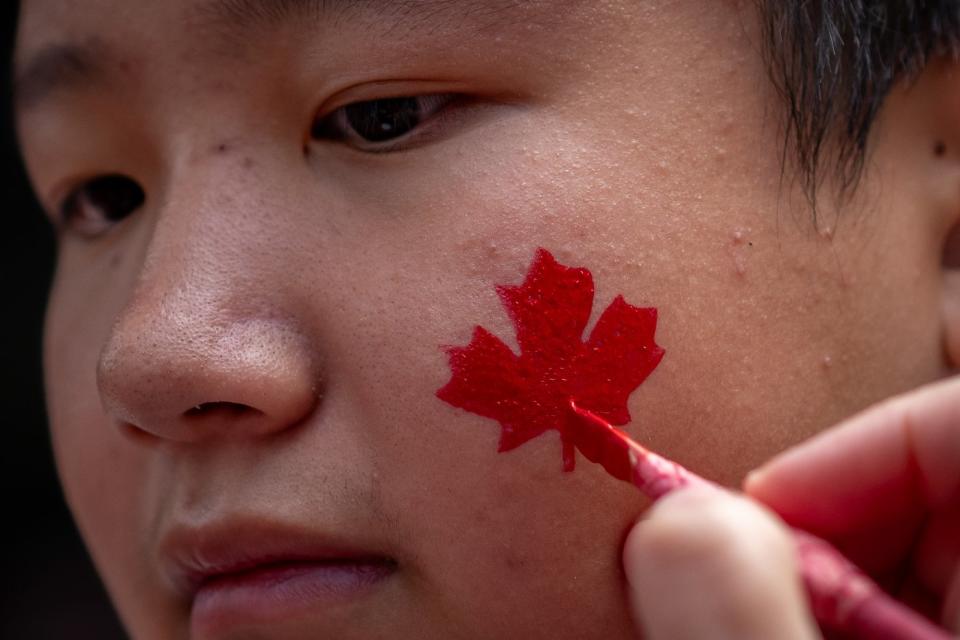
842	597
627	460
528	394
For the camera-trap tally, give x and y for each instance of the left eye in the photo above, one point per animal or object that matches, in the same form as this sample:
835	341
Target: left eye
98	204
373	124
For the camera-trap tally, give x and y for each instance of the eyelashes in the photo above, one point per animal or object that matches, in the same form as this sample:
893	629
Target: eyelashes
382	125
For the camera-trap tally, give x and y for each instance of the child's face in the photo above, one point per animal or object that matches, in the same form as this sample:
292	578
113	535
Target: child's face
311	282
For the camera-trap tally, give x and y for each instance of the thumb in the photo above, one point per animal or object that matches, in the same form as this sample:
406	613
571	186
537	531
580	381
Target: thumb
709	564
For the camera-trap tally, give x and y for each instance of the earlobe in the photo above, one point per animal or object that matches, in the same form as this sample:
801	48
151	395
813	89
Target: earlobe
951	315
950	290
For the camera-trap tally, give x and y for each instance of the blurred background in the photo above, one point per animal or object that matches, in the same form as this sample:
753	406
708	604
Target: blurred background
51	590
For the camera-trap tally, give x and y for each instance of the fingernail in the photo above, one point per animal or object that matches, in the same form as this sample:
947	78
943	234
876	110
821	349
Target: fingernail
754	478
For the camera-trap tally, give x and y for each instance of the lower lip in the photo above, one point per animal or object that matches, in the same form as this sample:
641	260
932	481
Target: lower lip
271	594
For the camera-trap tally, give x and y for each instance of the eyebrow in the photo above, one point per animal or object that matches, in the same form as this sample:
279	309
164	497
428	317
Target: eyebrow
56	67
86	65
237	16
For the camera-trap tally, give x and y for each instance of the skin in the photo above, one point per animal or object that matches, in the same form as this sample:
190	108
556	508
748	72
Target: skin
311	284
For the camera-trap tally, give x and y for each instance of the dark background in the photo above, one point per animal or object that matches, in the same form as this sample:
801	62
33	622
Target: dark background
51	589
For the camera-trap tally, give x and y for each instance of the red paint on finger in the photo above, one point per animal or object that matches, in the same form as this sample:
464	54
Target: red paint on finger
530	393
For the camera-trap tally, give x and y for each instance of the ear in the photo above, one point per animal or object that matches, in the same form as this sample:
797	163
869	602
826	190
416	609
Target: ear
945	77
930	111
951	296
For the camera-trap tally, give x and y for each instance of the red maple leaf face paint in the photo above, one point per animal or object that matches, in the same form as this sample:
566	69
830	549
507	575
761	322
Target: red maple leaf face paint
530	393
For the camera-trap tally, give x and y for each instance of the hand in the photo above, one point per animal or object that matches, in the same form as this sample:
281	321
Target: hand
884	487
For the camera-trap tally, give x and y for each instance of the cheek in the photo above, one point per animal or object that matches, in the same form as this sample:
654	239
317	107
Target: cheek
507	541
746	294
104	478
84	438
472	520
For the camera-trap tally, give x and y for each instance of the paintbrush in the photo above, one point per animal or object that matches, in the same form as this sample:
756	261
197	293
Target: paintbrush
842	597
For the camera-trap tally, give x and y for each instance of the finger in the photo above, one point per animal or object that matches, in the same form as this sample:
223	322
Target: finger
708	564
893	460
885	487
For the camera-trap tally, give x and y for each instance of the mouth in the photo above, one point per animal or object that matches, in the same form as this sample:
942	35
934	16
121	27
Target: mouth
242	574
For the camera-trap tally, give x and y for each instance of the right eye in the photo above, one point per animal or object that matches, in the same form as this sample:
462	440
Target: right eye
93	207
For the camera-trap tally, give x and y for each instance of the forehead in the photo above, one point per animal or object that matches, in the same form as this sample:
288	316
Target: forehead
42	19
61	42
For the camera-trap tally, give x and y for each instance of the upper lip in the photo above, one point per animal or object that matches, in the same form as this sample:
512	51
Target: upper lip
192	555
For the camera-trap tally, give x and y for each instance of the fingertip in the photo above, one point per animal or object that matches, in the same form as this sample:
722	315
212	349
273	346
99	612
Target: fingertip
755	480
712	563
775	483
879	466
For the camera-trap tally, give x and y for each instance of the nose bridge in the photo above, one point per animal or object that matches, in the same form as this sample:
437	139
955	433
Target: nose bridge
214	210
212	250
207	344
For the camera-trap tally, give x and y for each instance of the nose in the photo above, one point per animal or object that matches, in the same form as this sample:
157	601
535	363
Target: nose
208	345
178	376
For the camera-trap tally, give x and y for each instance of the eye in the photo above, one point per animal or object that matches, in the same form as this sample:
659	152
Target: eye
378	125
94	206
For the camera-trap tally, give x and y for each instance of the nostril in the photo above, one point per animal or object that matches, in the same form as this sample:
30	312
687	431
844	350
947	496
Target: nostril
231	409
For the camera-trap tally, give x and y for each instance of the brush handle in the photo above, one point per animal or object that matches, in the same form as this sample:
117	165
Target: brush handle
842	597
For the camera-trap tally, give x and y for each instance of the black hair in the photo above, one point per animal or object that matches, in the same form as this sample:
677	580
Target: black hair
835	61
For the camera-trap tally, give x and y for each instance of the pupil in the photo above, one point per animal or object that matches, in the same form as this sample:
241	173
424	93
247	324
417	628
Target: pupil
381	120
115	196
